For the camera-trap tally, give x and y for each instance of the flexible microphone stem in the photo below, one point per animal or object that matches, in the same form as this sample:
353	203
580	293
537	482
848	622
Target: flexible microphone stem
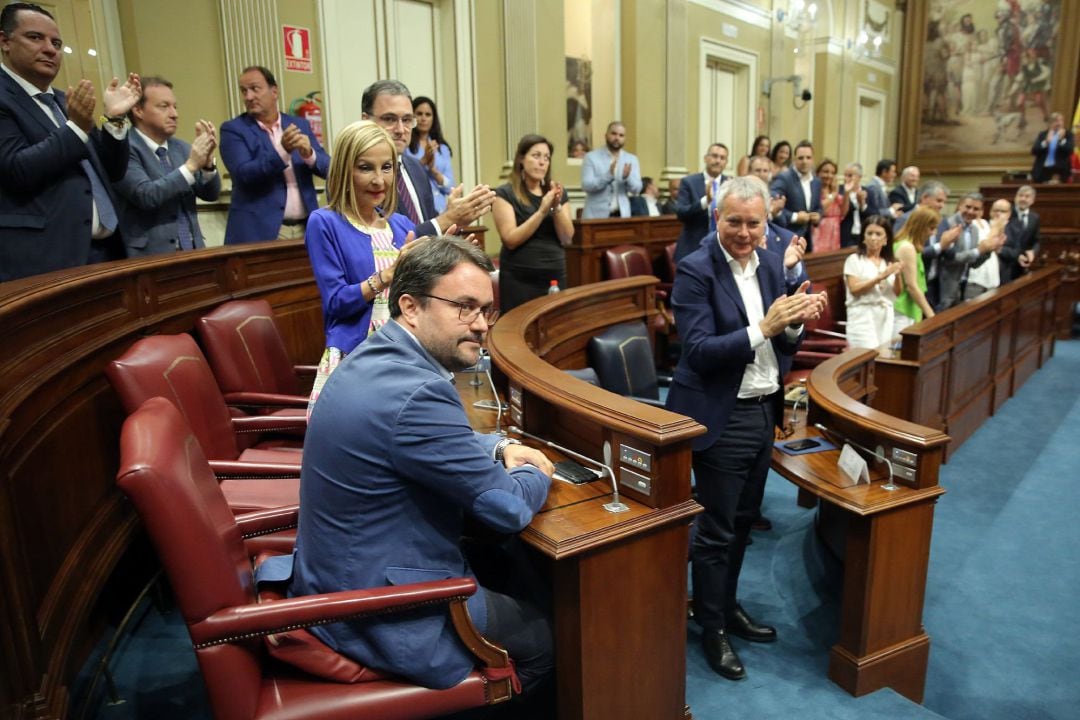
890	485
616	505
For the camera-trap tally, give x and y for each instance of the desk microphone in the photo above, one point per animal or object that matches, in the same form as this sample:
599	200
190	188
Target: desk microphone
616	505
484	361
878	454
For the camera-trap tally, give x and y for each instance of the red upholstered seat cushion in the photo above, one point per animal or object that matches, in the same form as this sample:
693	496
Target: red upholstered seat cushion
302	650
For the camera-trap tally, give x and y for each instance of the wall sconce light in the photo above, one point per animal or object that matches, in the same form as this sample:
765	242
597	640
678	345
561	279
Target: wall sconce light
865	46
799	16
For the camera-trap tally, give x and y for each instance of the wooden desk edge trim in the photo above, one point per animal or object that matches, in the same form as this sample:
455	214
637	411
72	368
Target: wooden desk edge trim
513	356
655	519
902	497
827	395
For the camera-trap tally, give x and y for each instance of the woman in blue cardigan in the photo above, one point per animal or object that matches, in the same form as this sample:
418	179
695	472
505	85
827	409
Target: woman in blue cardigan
355	241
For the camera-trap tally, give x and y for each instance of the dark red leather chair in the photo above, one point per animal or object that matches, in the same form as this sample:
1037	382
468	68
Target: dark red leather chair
248	356
624	261
824	335
256	472
256	659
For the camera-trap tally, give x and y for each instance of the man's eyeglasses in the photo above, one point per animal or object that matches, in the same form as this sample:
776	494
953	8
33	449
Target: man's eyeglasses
468	313
391	121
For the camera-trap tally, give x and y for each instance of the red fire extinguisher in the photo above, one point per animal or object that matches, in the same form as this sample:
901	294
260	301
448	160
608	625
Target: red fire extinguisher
308	108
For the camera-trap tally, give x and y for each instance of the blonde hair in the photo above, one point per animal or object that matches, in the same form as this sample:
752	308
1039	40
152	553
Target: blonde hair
350	144
920	225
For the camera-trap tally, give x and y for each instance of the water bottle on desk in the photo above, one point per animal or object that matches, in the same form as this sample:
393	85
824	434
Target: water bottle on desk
554	288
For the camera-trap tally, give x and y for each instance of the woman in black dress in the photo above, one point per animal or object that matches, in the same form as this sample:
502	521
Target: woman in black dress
534	224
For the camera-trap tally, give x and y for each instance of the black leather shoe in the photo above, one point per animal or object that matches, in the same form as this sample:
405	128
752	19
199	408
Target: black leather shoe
721	656
742	625
762	523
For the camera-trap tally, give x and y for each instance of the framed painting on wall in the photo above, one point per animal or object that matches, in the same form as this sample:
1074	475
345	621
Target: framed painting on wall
578	107
980	80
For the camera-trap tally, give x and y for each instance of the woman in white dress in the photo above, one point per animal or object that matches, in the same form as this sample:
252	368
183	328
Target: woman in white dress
872	279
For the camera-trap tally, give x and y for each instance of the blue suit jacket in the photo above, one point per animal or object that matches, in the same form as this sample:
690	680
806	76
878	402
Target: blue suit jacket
712	322
258	184
422	185
599	184
390	469
688	209
877	203
778	239
152	199
46	205
789	185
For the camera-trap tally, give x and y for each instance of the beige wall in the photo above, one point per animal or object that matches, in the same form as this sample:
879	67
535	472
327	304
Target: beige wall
629	33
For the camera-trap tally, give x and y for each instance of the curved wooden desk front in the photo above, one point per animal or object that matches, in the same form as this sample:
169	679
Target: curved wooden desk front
71	555
620	580
883	536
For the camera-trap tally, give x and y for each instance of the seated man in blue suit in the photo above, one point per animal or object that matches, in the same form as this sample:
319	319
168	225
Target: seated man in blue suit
164	176
609	176
801	191
391	468
272	158
695	200
389	104
739	330
57	209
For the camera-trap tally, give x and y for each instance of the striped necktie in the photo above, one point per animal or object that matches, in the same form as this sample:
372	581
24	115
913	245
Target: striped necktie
105	209
405	203
183	227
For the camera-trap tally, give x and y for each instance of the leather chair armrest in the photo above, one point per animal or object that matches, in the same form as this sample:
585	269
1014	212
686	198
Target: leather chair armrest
262	522
269	400
246	621
236	470
270	423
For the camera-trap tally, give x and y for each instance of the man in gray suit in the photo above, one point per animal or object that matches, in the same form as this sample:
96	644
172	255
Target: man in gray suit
164	176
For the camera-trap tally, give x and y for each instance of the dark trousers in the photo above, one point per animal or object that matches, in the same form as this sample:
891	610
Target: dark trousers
730	479
518	600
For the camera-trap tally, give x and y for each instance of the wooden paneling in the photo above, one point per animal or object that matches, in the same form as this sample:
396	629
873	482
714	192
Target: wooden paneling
64	526
584	255
956	369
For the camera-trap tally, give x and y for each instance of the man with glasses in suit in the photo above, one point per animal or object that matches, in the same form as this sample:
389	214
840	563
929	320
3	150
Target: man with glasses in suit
389	104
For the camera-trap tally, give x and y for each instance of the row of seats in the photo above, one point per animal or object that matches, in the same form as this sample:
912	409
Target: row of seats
217	486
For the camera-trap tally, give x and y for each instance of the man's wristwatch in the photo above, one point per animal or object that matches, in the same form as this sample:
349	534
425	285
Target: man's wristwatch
500	449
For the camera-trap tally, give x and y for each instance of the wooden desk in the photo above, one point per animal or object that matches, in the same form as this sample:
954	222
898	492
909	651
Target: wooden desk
955	370
620	580
883	536
584	263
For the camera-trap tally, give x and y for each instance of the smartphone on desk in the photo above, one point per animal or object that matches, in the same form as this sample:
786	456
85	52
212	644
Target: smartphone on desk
804	444
572	472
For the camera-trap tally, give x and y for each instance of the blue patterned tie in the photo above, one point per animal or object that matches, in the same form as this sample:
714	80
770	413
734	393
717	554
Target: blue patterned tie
105	209
183	229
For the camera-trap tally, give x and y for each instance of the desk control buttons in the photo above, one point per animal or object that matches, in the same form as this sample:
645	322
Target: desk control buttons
903	472
635	458
905	457
635	481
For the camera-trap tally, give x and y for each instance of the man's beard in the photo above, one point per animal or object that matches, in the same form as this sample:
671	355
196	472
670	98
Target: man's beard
449	354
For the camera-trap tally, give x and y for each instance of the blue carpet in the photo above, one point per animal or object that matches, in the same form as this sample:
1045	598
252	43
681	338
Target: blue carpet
1000	607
